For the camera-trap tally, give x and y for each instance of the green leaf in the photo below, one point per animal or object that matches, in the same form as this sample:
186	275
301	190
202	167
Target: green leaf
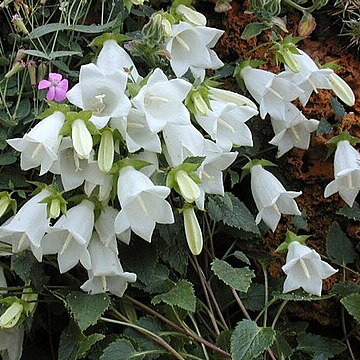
181	295
89	29
352	305
237	278
337	107
345	288
317	345
36	53
254	299
242	257
69	342
253	29
234	177
300	295
86	344
249	341
7	158
87	309
324	127
57	54
352	213
120	349
338	247
232	212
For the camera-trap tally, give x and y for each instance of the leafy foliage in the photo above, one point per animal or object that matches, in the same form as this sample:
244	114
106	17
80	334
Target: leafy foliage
352	305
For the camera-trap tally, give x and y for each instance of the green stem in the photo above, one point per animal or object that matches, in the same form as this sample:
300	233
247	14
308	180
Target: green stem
266	283
299	7
276	318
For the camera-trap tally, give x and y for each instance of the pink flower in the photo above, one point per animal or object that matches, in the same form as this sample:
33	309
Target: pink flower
56	85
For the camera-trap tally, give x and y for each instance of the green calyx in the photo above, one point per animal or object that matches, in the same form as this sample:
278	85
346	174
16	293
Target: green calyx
197	100
55	205
6	203
85	116
284	51
341	137
136	164
100	40
246	169
289	238
54	106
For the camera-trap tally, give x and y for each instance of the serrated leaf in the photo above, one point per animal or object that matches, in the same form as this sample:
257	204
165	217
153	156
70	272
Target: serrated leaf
87	309
324	127
317	345
300	295
86	344
237	278
7	158
120	349
181	295
242	257
345	288
249	341
254	299
232	212
69	342
338	247
253	29
234	177
337	107
352	305
352	213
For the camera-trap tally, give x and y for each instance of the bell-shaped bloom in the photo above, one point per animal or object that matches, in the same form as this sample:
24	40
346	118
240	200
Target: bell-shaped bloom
161	100
190	48
70	236
57	87
106	273
271	198
305	269
113	58
27	228
11	343
310	78
103	94
193	232
142	204
40	145
136	133
181	142
272	92
104	227
149	157
346	173
293	132
225	123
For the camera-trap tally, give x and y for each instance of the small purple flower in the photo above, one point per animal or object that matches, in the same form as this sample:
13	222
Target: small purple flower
57	87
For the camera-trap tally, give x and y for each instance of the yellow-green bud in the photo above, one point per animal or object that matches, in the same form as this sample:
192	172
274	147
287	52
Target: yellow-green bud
55	207
30	297
307	25
31	66
106	151
19	24
11	316
192	231
342	89
200	105
189	190
17	67
5	202
290	61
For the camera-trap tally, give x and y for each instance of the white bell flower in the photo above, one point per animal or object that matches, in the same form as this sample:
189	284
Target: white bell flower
113	58
142	204
136	133
346	172
305	269
225	123
150	157
181	142
81	138
310	78
70	236
103	94
26	229
11	343
211	171
40	145
271	198
272	92
161	100
190	48
106	273
104	227
293	132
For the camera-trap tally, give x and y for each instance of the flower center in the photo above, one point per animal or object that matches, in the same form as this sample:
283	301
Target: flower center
104	282
295	134
98	106
21	241
304	267
207	176
182	43
226	125
54	84
150	99
142	205
275	93
66	243
132	125
36	151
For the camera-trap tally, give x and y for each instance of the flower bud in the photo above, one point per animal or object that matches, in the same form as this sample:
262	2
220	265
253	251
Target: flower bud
31	66
200	106
307	25
342	89
222	6
30	297
189	190
17	67
290	60
82	139
106	151
54	211
191	16
5	202
42	71
11	316
192	231
19	24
